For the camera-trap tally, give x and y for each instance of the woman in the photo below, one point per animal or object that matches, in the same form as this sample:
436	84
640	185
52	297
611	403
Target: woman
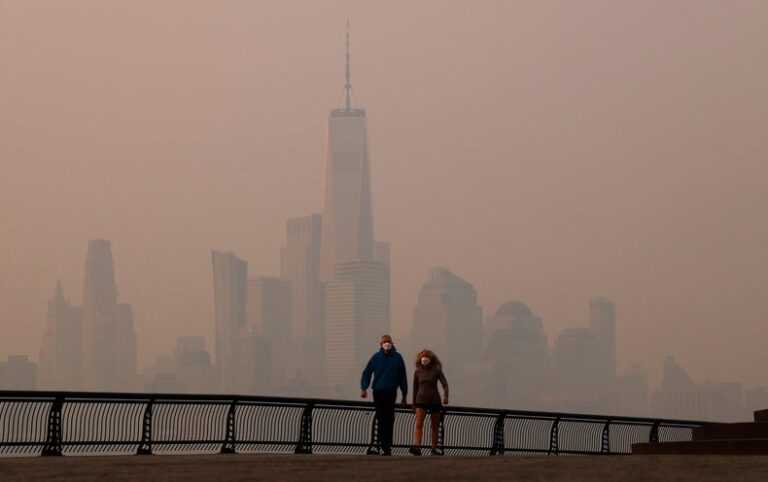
426	398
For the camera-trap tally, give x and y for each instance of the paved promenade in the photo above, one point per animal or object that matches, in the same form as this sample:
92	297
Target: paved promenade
307	468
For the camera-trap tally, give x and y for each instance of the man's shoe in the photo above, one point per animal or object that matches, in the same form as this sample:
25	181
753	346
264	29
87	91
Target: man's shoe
437	452
386	452
414	450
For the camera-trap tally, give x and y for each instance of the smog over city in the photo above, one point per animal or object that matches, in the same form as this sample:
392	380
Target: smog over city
566	201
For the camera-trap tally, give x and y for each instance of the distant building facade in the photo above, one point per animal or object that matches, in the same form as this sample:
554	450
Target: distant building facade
61	349
301	267
632	393
109	339
357	314
348	215
448	320
577	370
517	347
268	314
193	366
18	373
681	398
230	274
253	355
602	322
188	370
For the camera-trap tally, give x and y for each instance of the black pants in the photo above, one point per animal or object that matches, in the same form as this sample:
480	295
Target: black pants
384	401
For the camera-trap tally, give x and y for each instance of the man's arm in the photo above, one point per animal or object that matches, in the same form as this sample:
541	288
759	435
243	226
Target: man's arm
365	379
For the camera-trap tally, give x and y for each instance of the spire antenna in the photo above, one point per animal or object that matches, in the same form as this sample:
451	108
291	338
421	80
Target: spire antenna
348	84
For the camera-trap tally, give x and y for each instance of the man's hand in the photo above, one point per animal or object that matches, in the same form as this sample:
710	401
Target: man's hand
364	394
445	400
404	402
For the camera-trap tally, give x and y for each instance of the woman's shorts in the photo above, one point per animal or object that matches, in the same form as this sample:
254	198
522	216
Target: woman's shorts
430	407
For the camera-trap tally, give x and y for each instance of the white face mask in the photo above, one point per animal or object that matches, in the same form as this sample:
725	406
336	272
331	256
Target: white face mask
387	346
425	361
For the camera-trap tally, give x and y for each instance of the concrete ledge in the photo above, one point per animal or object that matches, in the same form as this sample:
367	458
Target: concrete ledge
704	447
761	415
731	431
322	468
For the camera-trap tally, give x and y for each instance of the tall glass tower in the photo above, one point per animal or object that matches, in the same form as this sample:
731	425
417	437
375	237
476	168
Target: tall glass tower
353	268
347	215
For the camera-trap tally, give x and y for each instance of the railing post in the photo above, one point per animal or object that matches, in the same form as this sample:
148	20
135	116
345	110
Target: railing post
145	447
52	445
605	442
305	437
553	437
498	436
441	433
653	437
374	448
229	439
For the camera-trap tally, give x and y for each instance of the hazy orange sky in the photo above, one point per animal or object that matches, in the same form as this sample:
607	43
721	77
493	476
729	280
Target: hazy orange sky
545	151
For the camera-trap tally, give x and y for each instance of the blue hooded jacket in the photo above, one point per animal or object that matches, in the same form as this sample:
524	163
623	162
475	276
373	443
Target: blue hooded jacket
388	370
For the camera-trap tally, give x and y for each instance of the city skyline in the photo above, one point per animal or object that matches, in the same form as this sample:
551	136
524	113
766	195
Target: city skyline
513	365
554	211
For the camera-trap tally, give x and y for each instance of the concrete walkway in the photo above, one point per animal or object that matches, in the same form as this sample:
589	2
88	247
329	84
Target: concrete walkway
306	468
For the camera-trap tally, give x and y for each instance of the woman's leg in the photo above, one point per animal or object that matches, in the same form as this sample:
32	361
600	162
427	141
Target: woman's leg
418	429
434	427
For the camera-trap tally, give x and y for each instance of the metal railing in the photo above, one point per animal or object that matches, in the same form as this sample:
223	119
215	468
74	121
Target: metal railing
85	423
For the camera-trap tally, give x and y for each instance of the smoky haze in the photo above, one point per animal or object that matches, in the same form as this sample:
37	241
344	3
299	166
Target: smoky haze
547	152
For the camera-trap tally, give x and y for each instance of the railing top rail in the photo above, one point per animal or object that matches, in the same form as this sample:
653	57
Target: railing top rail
33	395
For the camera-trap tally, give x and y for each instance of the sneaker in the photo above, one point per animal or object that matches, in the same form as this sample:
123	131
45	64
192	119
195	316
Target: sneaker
414	450
437	452
386	452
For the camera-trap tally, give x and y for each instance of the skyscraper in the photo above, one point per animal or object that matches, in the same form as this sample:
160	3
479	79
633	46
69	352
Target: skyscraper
354	269
602	321
229	298
517	347
268	314
301	266
577	371
347	216
356	314
448	320
109	340
61	348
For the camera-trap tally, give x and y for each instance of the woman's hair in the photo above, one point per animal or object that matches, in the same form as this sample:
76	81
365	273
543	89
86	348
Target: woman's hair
431	355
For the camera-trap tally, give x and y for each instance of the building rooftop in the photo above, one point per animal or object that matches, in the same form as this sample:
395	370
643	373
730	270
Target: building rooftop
514	308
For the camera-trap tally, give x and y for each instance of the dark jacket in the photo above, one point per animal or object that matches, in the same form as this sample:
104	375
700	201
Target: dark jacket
425	385
388	370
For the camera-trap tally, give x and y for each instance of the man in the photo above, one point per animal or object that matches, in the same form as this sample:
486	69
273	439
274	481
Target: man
388	370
